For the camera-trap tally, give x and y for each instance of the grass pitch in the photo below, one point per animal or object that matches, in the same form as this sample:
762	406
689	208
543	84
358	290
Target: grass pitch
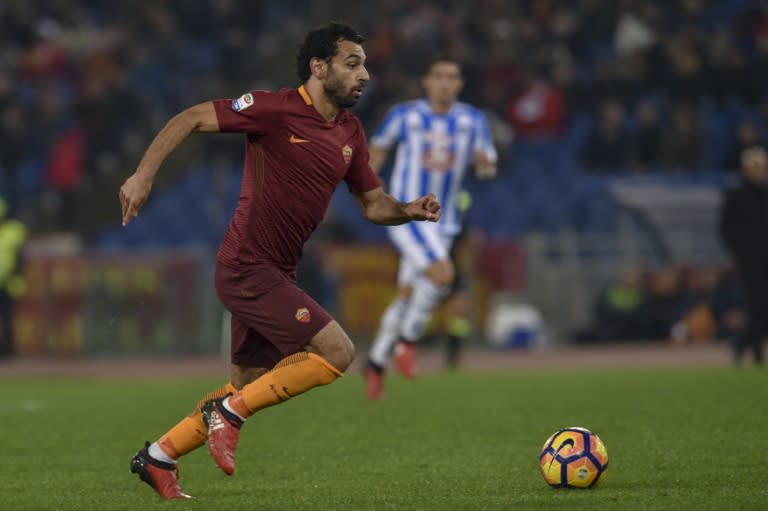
677	439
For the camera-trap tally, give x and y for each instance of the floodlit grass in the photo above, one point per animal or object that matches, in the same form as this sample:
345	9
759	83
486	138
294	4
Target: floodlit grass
677	439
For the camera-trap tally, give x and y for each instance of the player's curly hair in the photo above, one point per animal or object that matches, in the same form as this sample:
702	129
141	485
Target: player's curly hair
323	43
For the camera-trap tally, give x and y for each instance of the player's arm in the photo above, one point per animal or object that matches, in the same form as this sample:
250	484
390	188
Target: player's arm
485	156
377	157
135	190
381	208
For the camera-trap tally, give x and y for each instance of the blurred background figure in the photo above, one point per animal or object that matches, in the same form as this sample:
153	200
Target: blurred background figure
453	321
744	230
608	146
437	139
620	311
13	234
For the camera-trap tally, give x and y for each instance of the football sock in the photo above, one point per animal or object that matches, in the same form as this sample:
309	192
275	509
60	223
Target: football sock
291	376
457	329
157	453
423	301
388	332
228	408
191	432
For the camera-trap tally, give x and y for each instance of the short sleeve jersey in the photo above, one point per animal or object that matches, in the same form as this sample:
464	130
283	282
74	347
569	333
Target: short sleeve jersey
434	152
294	159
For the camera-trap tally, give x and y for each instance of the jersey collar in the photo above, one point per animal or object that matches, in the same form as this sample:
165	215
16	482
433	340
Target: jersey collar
305	95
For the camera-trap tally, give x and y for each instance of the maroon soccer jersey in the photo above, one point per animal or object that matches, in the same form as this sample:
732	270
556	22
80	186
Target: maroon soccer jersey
294	160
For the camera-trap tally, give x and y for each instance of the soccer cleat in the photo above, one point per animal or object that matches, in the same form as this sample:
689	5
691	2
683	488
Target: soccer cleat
405	358
223	433
162	477
374	380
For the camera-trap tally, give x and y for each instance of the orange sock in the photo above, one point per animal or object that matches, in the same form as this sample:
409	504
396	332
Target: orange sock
291	376
191	432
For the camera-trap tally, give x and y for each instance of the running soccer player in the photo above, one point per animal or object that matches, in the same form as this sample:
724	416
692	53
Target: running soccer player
299	144
438	138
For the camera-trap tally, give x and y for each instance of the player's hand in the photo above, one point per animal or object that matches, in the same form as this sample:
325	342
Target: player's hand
484	168
424	208
133	195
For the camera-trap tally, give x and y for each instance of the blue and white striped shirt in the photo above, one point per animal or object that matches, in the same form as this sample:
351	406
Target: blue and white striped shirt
433	152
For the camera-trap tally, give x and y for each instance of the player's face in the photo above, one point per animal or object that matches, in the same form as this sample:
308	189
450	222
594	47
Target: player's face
443	82
756	166
347	75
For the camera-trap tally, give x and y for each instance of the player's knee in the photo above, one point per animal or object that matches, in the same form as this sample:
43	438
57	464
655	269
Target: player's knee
339	353
441	273
333	344
341	358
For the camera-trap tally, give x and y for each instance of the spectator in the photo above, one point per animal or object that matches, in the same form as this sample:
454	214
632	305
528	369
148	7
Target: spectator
665	302
683	140
645	141
538	111
619	311
608	145
697	321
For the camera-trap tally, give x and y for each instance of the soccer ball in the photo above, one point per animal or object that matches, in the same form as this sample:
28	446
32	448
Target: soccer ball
573	458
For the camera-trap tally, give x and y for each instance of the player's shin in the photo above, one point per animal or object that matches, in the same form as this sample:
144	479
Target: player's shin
190	433
388	333
424	299
292	376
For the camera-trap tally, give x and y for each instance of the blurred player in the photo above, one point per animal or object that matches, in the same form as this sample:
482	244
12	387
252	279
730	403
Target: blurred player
454	326
300	143
437	139
744	231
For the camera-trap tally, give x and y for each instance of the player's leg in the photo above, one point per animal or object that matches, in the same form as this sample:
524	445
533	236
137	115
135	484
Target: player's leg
412	261
309	349
389	328
328	353
457	326
760	300
429	287
389	331
428	290
156	463
756	302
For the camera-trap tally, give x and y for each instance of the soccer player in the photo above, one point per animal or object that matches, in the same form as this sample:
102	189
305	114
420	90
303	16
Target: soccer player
299	144
438	138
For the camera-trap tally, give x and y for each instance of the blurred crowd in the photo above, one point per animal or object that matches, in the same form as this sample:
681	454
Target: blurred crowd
631	84
681	304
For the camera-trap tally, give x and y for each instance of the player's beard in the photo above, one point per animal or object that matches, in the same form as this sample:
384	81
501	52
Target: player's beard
335	91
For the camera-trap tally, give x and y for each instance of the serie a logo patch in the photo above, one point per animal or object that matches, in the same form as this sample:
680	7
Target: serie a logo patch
303	315
242	102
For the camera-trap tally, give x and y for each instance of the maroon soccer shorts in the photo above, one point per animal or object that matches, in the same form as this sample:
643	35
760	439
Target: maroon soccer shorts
271	316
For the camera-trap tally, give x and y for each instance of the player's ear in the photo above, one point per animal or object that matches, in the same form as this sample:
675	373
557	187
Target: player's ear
318	67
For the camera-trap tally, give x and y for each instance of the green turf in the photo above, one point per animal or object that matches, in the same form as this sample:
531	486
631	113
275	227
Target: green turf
677	439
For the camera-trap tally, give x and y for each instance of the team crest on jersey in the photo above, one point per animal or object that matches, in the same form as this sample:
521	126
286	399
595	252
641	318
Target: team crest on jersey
346	153
243	102
303	315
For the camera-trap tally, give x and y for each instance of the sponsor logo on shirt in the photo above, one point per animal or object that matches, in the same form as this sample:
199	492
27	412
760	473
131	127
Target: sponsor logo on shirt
303	315
346	153
242	102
